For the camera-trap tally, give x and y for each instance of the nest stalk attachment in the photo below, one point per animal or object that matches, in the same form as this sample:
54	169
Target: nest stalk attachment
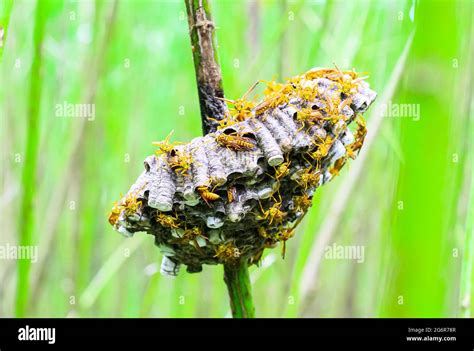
231	194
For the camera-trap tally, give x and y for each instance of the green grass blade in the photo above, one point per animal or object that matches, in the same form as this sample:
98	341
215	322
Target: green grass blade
108	270
310	272
26	224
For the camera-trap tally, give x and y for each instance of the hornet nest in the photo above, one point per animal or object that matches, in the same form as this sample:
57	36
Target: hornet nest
229	195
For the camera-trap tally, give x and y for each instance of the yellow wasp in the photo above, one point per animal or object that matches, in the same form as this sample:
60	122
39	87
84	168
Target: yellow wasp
168	221
227	252
241	108
282	236
115	213
235	142
281	171
231	194
165	146
274	213
302	203
206	194
322	149
180	161
308	179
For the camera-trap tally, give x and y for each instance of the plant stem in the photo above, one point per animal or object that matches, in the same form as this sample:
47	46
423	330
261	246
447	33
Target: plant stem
206	63
25	226
209	82
237	279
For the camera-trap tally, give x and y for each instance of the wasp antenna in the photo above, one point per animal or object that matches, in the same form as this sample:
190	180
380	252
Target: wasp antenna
360	79
169	135
250	89
226	100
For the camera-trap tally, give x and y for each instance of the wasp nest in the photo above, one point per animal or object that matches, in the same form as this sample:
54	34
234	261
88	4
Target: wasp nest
229	195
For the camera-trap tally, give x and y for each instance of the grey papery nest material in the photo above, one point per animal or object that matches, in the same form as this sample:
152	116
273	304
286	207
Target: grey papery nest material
228	202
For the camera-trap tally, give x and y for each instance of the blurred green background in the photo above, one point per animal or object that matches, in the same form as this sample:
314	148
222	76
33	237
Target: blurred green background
405	200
